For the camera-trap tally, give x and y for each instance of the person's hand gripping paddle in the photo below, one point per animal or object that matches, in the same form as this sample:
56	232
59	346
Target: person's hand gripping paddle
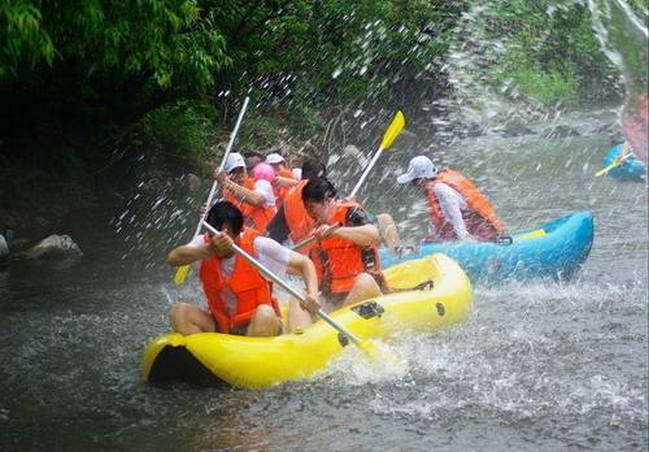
393	131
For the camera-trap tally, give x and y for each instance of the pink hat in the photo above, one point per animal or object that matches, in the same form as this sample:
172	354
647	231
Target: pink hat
263	171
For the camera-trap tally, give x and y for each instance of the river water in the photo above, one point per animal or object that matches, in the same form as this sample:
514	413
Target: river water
540	365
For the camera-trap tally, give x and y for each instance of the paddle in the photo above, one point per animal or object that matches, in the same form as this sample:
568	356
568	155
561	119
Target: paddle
393	131
312	239
183	271
617	162
367	346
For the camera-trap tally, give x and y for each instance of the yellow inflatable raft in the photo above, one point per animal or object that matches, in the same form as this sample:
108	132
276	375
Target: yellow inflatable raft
445	299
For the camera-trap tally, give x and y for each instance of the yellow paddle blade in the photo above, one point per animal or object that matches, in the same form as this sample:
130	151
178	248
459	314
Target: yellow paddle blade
181	274
607	169
395	128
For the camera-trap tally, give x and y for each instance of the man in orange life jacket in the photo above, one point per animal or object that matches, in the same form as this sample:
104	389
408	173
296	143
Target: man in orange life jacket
458	211
254	198
239	298
292	220
346	258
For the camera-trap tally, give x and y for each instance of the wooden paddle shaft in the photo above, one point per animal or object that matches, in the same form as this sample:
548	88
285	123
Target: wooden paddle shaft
279	281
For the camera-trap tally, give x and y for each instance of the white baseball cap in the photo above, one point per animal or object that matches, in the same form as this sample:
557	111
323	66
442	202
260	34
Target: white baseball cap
235	160
274	158
420	167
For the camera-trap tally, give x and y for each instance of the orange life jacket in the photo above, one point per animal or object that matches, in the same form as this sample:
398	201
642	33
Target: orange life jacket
298	221
339	261
480	218
280	192
248	288
256	217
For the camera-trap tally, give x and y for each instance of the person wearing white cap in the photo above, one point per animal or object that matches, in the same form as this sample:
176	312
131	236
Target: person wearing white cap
458	211
286	178
255	198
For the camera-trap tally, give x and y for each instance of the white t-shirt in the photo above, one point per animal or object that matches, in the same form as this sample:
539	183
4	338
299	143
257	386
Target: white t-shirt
266	189
297	173
451	204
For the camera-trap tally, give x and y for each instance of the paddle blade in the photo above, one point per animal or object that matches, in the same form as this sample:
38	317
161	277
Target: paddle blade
607	169
395	128
181	274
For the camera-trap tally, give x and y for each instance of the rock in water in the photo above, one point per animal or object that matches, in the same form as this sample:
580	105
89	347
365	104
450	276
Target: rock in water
192	181
4	248
53	246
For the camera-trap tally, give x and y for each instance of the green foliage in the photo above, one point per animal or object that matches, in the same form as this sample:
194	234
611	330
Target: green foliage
23	43
550	87
159	42
182	131
551	51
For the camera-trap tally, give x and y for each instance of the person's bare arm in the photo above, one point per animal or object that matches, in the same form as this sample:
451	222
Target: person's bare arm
301	265
250	196
363	236
187	254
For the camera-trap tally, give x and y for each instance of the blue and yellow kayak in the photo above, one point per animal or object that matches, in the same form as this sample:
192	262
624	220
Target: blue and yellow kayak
445	299
631	170
554	250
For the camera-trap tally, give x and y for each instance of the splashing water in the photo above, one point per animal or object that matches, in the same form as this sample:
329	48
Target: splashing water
625	41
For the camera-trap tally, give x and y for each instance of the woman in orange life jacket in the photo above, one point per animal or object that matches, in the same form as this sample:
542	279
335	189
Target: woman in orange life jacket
253	197
292	220
285	179
458	211
346	258
239	298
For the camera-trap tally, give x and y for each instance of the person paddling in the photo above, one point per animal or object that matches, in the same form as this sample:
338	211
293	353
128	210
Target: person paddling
292	220
458	211
253	197
345	257
239	298
285	177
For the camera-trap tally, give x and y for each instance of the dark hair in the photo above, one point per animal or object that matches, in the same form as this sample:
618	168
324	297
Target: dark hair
318	190
313	169
224	212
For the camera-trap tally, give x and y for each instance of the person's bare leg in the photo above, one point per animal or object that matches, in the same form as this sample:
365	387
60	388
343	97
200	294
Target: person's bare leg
264	322
297	317
388	230
187	318
364	287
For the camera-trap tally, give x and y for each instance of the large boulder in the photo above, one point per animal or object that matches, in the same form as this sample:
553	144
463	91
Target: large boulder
53	246
191	181
560	131
4	248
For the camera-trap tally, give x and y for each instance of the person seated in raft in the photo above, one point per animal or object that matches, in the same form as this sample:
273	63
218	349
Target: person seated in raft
239	298
286	177
345	258
292	220
458	211
253	197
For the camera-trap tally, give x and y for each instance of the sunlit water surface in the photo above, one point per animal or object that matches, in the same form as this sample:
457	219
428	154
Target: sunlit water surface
540	365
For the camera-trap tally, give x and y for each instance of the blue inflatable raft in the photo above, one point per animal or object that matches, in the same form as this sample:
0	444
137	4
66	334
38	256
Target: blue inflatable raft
632	169
555	250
